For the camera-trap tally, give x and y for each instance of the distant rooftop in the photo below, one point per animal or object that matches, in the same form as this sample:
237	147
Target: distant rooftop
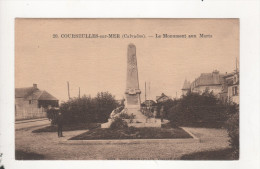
186	85
33	92
207	79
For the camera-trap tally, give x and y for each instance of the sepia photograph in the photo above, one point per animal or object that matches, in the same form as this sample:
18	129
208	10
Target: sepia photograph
127	89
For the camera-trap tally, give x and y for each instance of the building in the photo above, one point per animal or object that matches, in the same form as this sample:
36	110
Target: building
208	81
149	103
31	102
186	87
230	88
162	98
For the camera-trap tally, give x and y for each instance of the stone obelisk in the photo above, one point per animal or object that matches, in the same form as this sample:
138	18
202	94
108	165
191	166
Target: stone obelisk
132	92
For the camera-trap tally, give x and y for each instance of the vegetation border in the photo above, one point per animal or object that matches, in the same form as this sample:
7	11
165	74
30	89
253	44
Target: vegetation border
194	139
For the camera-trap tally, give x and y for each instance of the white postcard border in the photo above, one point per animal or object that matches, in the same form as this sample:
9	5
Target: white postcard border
247	11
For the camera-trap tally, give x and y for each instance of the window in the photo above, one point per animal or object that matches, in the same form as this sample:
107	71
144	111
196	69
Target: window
234	91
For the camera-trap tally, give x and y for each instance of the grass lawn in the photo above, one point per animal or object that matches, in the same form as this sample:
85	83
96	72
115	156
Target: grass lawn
22	155
223	154
216	125
81	126
133	133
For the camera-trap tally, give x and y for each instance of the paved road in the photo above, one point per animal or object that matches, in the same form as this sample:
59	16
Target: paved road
25	124
49	145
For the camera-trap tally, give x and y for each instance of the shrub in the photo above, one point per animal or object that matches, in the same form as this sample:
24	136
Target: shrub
87	109
104	104
232	126
195	109
148	113
127	116
124	116
167	105
118	123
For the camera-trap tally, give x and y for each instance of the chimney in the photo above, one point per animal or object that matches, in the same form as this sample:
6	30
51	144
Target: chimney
215	74
34	85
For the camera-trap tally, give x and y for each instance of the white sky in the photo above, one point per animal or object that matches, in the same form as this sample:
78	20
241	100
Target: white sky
100	64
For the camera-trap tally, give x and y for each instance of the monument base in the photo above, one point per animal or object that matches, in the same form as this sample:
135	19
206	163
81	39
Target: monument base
136	112
137	122
140	120
155	123
151	122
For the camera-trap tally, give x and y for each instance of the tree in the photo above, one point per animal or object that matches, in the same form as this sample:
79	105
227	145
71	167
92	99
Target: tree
167	105
195	108
87	109
105	104
232	126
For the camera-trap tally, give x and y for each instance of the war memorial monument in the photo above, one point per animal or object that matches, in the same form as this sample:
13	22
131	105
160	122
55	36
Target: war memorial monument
132	94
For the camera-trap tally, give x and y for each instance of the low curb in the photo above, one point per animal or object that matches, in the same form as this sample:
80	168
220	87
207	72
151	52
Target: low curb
31	120
129	141
28	128
192	135
194	139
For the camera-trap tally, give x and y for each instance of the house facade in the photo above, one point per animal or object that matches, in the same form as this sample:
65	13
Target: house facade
224	86
31	102
230	88
208	81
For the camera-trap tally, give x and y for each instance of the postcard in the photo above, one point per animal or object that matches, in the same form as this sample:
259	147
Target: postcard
127	89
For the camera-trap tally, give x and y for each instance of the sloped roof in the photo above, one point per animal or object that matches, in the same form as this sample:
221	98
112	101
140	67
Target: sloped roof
186	85
207	79
33	93
46	96
162	95
24	92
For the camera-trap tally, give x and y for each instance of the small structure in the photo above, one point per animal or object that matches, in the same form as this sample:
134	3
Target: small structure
186	87
162	98
230	88
31	102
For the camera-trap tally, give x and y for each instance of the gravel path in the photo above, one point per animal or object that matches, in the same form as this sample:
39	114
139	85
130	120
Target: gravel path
48	145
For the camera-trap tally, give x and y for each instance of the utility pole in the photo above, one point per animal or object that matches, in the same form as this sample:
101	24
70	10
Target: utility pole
79	92
68	90
236	64
149	95
145	91
149	90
